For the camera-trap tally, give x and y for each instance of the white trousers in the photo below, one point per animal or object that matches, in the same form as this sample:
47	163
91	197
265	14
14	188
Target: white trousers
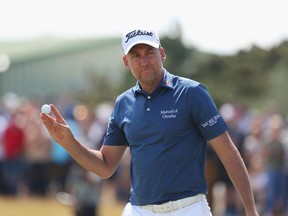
200	208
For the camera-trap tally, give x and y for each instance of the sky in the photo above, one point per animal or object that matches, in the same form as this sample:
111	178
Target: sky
222	26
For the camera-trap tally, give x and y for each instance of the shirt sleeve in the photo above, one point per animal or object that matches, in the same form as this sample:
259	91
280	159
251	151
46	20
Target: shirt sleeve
115	136
206	115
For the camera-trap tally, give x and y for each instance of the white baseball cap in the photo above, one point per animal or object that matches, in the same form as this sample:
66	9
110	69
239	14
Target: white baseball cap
139	36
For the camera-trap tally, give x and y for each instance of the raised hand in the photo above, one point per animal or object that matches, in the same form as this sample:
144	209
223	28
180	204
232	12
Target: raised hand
57	127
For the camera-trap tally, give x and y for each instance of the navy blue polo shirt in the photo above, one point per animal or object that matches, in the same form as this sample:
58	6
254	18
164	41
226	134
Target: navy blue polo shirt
167	132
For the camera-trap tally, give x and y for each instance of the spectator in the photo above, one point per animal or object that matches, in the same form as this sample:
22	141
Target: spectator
85	187
13	140
253	156
3	125
274	157
37	155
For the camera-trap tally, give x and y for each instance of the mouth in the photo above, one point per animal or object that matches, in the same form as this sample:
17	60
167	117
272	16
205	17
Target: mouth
147	69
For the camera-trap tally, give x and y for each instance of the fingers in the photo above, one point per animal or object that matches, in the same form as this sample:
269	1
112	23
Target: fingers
57	114
47	121
56	125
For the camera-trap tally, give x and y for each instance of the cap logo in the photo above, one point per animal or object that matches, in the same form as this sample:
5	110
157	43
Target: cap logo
136	33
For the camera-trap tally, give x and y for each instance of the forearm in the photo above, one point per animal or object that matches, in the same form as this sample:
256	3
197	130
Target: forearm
237	172
89	159
235	167
103	163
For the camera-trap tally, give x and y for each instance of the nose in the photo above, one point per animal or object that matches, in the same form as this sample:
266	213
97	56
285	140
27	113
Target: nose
143	61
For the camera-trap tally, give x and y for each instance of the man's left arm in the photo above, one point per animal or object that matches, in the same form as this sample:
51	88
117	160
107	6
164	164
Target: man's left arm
236	169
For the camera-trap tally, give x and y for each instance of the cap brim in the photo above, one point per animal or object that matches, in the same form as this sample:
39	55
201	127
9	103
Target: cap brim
150	43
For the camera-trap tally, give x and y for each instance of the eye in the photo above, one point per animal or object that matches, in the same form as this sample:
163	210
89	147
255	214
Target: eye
152	51
134	55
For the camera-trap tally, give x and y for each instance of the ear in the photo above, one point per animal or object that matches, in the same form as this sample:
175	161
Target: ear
125	61
163	54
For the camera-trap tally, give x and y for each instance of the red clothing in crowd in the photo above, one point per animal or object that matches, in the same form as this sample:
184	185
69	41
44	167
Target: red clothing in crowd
13	140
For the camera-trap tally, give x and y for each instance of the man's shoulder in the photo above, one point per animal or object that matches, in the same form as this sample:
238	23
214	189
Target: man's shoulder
182	81
189	82
126	94
186	82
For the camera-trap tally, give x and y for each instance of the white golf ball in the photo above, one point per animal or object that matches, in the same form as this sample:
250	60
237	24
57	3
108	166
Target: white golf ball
46	109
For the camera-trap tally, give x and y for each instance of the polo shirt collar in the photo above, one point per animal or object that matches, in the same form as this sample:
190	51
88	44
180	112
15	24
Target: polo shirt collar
167	82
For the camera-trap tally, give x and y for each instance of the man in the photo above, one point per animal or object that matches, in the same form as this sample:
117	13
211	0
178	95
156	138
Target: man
166	121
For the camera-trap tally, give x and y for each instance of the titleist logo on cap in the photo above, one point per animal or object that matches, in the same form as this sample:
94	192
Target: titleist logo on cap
138	36
136	33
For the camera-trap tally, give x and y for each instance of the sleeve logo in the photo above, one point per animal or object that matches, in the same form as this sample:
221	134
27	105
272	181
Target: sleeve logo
211	121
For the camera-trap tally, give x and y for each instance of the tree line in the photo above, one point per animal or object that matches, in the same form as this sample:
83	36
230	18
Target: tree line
251	77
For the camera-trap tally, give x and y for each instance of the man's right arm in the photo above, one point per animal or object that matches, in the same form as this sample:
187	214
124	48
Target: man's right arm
103	163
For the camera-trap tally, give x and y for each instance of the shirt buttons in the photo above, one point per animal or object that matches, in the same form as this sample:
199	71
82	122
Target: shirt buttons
148	109
149	97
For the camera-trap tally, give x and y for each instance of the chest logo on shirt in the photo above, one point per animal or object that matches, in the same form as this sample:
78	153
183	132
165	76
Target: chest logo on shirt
211	121
169	113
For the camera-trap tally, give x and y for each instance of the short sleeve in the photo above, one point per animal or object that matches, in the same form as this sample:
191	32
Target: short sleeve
206	115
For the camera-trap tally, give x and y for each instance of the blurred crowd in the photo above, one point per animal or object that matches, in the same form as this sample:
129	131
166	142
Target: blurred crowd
262	140
32	164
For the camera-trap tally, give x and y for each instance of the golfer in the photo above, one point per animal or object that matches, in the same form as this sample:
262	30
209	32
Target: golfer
167	122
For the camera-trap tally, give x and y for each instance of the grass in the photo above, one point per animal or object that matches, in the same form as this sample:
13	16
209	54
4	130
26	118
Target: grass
31	206
23	206
109	206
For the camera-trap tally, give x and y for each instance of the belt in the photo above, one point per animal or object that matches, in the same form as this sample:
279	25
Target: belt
174	205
